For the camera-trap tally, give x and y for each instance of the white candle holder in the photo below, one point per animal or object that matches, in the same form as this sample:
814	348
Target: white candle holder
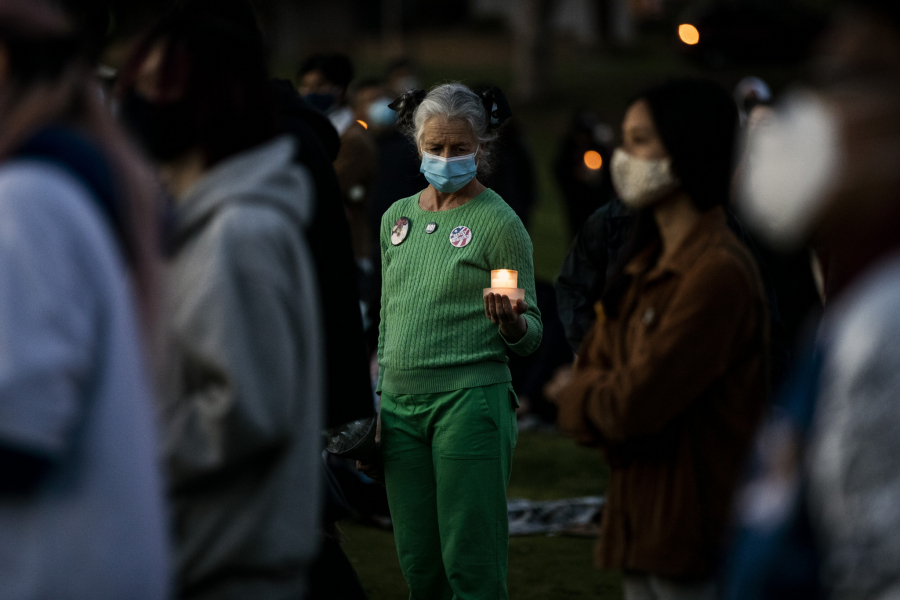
503	282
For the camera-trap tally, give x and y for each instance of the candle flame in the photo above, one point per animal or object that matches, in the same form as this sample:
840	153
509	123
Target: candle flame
363	123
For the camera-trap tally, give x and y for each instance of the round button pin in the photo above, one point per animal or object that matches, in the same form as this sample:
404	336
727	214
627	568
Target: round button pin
461	236
430	228
399	231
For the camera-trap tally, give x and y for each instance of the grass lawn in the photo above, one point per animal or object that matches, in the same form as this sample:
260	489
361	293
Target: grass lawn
546	467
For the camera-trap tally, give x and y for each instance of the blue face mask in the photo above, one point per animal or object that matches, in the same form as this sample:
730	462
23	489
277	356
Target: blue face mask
380	115
448	175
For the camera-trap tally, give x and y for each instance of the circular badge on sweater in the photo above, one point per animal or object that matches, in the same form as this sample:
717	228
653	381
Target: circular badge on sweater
399	231
460	236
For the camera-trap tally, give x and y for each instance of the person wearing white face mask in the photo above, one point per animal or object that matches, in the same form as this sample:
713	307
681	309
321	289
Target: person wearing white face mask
448	423
672	379
824	170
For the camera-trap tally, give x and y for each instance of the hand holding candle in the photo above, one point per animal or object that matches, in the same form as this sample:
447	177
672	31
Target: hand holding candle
505	305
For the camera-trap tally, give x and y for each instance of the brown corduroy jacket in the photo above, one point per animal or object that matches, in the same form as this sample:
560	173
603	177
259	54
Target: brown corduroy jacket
672	389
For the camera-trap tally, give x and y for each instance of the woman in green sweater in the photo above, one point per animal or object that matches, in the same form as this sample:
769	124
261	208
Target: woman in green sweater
448	423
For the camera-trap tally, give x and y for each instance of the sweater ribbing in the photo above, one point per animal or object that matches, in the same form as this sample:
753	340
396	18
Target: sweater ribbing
434	334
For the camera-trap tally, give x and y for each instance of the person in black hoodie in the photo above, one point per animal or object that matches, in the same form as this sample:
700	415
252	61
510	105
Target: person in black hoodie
349	388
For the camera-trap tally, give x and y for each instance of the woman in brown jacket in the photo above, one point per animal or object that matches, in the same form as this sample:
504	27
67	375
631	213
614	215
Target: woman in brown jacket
672	379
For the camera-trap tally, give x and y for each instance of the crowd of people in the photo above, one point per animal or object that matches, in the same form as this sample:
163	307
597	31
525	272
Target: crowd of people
235	309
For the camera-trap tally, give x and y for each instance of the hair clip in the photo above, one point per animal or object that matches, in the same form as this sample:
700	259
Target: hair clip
496	107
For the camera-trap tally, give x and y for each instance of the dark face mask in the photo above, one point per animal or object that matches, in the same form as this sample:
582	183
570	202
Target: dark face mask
165	130
323	102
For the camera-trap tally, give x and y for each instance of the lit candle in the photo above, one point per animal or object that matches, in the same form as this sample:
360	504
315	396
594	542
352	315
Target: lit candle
504	278
503	282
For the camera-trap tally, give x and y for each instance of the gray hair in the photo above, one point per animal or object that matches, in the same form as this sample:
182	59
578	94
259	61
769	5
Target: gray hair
456	101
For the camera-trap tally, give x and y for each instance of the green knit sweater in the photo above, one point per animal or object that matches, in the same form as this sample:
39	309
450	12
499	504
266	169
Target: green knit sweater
434	335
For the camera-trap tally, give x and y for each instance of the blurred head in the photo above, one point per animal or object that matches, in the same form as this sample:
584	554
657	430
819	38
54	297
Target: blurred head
823	167
678	136
46	82
195	82
372	106
42	74
323	80
828	152
363	93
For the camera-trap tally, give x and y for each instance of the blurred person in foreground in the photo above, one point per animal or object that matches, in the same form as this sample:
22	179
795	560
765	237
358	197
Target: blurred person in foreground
81	498
448	425
672	379
243	376
821	517
349	391
788	275
324	81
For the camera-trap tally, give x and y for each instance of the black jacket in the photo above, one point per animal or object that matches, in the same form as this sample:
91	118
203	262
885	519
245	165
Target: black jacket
590	261
348	387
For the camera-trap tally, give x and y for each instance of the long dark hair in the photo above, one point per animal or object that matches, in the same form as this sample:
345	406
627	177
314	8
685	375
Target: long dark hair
219	69
697	122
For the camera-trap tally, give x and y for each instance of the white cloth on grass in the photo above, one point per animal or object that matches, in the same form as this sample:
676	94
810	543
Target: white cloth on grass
651	587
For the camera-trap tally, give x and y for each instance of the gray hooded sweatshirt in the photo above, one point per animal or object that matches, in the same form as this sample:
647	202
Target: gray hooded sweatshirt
243	387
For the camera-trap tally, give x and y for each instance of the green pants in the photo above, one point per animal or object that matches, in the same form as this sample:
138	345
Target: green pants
447	460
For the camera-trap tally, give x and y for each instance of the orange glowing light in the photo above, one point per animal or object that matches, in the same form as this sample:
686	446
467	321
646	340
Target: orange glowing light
363	123
593	160
688	34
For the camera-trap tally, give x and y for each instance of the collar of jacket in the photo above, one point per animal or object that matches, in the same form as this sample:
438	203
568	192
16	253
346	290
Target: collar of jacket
709	226
265	173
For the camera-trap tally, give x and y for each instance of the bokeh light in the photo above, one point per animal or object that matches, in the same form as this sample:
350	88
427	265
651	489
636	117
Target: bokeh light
688	34
593	160
363	123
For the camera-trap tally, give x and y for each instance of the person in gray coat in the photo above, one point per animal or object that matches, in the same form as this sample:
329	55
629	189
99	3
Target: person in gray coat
82	512
242	381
